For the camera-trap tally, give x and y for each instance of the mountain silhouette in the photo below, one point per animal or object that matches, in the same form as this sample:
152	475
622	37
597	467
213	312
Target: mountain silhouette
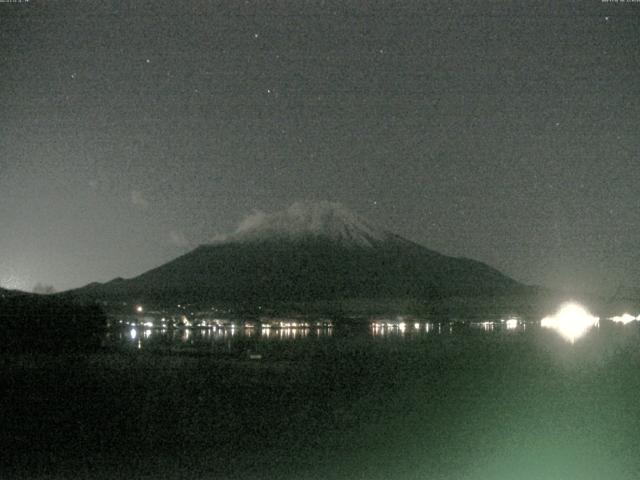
308	252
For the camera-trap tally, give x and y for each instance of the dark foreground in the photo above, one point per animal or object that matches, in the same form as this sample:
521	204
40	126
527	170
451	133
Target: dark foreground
468	405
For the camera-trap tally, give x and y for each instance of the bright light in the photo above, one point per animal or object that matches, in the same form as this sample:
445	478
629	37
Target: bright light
486	325
624	318
512	324
139	309
572	321
133	333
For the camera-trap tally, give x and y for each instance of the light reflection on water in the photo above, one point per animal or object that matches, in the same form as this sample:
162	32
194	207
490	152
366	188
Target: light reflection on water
394	328
486	326
380	328
390	328
571	322
198	336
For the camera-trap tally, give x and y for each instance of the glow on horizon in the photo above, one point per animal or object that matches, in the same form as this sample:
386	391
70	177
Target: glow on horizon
624	318
572	321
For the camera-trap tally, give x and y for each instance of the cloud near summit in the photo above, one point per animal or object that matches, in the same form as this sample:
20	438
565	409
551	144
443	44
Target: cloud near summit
253	220
326	218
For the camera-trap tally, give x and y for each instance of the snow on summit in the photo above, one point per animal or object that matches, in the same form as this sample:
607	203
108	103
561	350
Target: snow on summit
323	219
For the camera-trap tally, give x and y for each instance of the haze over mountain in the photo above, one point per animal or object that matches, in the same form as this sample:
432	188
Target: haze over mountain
308	252
329	220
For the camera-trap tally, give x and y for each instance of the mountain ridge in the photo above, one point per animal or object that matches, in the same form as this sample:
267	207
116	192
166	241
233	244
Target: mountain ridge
301	254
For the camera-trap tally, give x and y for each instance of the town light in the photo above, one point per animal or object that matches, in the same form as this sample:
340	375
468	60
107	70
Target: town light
624	318
572	321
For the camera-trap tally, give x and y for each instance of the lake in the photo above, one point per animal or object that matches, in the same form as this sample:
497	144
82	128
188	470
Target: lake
255	336
370	399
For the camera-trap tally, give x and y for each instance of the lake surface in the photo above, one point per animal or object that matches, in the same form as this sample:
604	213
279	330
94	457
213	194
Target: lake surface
378	399
238	334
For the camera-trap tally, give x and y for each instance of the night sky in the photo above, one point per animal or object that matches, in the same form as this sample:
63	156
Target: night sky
507	132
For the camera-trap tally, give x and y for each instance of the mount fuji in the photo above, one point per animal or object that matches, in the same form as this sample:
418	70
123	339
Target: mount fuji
307	252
